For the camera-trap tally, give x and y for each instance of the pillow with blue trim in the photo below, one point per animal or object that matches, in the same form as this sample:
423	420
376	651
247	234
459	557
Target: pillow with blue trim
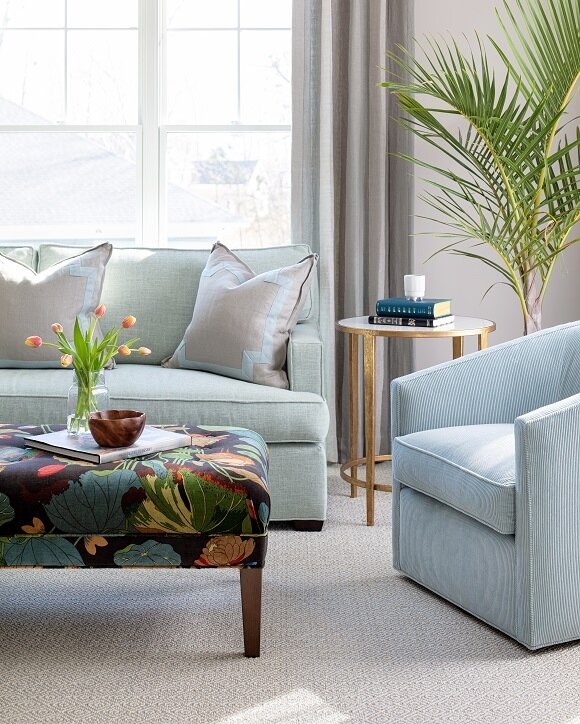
30	303
241	321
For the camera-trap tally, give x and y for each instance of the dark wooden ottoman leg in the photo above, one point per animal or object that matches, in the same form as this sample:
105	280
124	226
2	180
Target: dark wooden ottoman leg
251	589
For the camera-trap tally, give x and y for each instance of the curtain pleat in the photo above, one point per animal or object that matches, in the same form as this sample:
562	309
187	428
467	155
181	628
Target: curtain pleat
351	198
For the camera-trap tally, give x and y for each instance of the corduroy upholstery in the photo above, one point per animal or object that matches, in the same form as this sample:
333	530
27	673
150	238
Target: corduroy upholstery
486	483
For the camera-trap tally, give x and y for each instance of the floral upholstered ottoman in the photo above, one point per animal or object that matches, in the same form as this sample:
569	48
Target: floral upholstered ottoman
201	506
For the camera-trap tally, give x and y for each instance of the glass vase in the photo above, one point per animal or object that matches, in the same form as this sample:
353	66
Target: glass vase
88	393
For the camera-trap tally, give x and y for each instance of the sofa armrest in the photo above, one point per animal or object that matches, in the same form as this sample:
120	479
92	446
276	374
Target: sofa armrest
492	386
548	522
304	359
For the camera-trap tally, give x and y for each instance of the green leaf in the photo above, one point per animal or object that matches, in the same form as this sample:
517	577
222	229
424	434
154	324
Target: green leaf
80	345
43	550
264	514
150	553
197	505
92	504
6	510
509	180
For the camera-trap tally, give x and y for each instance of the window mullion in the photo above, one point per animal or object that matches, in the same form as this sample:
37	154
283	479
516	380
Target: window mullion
149	117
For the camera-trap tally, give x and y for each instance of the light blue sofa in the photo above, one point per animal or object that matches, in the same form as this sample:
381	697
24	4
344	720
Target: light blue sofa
159	286
486	484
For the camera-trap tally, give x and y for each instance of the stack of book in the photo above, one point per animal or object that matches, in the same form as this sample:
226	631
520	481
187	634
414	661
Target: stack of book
83	447
409	313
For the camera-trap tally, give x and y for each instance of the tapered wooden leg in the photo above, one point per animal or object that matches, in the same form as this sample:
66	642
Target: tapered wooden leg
457	347
353	400
482	341
251	590
369	385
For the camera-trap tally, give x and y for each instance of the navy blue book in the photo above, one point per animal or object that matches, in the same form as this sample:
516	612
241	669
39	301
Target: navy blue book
421	309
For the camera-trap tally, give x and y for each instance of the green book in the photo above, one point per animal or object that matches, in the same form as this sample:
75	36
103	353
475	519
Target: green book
421	308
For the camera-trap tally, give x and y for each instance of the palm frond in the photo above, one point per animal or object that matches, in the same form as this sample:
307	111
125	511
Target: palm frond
511	174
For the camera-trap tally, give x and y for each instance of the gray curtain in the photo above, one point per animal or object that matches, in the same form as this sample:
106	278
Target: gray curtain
351	197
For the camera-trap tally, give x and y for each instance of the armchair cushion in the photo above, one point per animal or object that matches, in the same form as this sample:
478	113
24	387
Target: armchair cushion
470	468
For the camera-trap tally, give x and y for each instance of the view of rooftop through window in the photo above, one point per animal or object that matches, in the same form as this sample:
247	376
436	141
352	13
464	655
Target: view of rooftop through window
145	122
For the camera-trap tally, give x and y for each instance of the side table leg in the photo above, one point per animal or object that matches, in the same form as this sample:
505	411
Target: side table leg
369	385
482	341
353	403
458	347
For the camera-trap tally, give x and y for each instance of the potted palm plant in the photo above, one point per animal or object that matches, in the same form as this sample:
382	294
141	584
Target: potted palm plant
510	177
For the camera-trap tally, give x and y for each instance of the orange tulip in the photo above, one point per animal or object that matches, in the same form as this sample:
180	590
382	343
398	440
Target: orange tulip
33	341
56	327
66	360
128	321
100	311
144	351
124	350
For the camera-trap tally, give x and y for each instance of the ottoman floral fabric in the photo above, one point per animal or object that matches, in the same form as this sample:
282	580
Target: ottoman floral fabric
206	505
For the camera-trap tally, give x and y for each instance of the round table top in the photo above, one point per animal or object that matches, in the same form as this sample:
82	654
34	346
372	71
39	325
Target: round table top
461	327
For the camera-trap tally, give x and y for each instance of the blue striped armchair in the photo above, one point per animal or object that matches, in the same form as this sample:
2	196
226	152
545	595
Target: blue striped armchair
486	484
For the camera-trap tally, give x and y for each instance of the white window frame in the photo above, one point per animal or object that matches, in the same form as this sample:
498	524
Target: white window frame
151	131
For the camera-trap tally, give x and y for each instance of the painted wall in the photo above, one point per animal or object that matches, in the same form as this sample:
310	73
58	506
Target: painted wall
465	280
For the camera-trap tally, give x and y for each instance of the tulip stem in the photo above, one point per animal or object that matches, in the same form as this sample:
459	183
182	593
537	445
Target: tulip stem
86	401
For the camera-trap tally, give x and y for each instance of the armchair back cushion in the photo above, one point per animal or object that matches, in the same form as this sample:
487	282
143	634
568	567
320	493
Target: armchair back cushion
570	366
493	386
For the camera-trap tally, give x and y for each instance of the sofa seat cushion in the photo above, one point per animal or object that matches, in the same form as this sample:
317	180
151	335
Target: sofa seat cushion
470	468
170	396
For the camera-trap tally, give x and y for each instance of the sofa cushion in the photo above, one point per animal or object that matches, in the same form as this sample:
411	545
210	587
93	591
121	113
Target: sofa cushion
241	321
471	468
170	396
31	302
23	254
142	281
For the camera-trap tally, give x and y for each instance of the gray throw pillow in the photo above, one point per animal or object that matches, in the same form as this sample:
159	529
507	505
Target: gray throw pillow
31	302
241	321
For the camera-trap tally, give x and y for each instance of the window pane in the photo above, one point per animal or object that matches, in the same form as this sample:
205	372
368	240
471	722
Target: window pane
32	76
102	14
200	14
32	13
232	187
265	76
102	76
202	76
67	186
266	13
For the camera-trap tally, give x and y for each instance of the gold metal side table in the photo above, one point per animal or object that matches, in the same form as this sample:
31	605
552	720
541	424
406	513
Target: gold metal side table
357	327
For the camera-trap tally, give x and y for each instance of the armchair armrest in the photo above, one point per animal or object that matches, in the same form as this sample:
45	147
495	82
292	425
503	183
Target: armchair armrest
304	359
492	386
548	523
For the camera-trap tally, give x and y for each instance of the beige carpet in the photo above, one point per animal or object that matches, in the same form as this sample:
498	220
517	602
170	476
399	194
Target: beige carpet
345	639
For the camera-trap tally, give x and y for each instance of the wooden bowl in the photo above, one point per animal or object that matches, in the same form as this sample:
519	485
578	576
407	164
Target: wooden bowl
116	428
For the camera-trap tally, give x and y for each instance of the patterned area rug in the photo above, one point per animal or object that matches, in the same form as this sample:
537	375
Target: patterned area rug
345	639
